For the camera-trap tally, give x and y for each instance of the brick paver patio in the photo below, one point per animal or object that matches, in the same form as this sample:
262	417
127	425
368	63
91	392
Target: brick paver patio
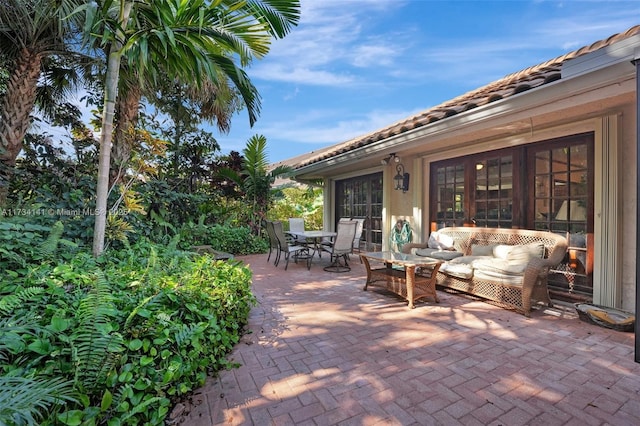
321	351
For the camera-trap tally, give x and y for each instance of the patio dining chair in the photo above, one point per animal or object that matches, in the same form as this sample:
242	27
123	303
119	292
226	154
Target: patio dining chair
298	251
273	241
357	239
297	224
329	241
342	246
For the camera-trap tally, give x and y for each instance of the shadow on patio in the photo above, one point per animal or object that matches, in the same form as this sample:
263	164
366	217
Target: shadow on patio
321	351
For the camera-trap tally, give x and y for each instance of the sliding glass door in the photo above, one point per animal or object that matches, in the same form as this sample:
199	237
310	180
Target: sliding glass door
562	201
361	198
543	186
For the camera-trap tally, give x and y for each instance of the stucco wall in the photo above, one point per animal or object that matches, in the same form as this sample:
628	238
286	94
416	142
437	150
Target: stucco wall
417	199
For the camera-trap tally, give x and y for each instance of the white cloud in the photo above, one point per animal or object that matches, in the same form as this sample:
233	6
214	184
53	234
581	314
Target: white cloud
375	55
299	75
330	38
290	96
320	127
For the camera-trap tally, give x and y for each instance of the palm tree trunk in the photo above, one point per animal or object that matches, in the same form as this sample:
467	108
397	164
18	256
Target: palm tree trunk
110	95
15	113
127	106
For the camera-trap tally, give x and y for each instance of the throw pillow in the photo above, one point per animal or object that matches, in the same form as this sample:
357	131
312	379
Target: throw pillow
524	253
501	251
433	241
482	250
440	241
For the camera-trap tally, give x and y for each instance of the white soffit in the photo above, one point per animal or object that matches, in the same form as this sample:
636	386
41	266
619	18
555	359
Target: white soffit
621	51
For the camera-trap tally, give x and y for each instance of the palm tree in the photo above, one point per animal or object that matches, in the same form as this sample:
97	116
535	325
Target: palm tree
30	32
191	39
256	179
185	104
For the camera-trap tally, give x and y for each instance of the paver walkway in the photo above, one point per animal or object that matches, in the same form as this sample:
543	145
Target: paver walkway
324	352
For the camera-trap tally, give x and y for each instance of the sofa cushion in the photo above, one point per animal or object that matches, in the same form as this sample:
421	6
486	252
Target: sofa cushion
440	241
498	277
459	270
426	252
438	254
461	267
500	266
446	255
482	250
468	260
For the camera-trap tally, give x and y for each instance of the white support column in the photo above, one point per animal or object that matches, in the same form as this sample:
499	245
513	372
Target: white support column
416	189
387	188
607	283
328	208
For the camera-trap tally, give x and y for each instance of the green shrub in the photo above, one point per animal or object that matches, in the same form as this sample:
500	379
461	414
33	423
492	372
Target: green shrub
299	202
237	240
24	245
119	339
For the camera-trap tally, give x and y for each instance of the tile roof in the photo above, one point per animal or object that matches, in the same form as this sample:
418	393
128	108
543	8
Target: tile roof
512	84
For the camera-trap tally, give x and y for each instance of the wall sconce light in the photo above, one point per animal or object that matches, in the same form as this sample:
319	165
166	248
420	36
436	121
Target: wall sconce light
401	178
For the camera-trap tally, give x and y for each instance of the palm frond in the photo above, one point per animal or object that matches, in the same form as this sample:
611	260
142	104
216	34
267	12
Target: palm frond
13	331
280	15
25	400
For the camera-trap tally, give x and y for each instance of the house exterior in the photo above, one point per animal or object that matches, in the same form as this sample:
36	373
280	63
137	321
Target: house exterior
551	147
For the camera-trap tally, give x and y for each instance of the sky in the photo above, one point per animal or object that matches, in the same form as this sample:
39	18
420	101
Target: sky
355	66
352	67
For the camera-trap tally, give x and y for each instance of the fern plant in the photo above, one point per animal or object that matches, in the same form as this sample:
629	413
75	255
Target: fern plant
17	298
95	346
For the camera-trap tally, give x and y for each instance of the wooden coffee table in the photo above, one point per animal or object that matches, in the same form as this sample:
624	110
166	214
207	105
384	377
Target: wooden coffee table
417	278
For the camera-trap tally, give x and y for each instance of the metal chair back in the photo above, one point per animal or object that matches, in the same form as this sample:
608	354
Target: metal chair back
273	240
343	243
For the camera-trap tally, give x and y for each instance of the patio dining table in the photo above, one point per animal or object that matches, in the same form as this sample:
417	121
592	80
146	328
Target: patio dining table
315	237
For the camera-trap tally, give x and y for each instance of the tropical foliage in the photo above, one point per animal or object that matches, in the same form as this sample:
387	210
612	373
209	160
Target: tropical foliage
31	33
296	201
191	40
255	180
117	337
114	340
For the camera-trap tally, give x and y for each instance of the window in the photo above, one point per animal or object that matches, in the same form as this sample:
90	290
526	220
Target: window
562	200
494	192
474	190
449	193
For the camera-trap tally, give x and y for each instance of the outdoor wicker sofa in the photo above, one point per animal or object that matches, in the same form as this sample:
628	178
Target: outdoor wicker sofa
507	266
